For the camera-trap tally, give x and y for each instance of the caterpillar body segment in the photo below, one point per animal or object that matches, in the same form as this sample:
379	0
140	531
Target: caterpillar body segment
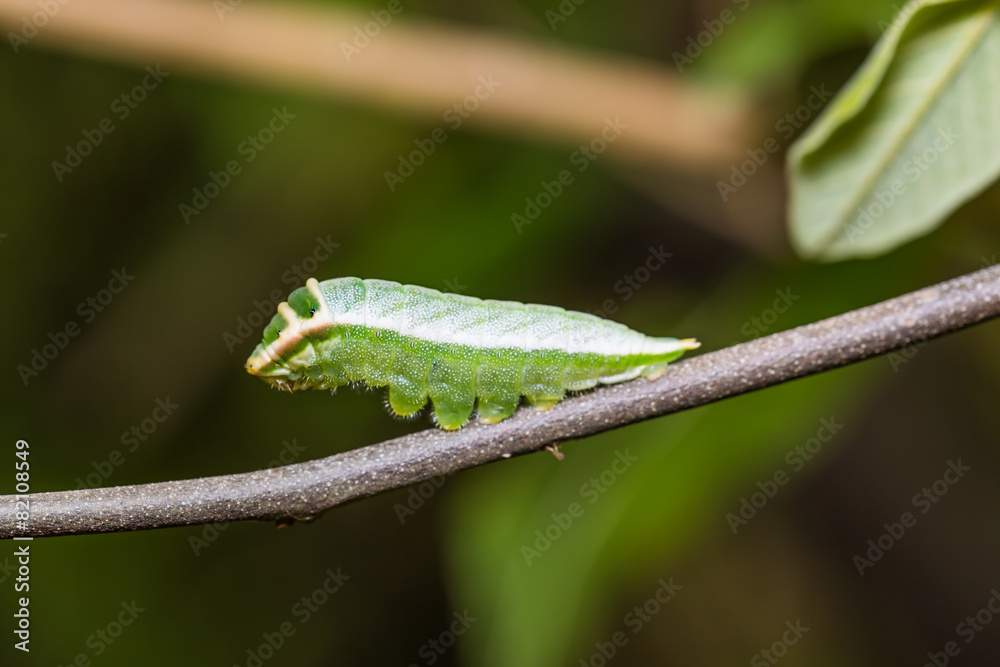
463	354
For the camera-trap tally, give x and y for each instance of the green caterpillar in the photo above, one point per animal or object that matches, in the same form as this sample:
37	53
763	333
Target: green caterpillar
462	353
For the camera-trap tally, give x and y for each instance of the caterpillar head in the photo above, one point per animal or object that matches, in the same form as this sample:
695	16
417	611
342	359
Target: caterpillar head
285	356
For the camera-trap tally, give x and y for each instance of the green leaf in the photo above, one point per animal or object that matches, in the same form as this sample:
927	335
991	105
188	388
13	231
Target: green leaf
911	137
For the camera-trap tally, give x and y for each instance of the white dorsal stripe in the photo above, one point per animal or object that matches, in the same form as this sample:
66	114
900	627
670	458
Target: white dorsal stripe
509	325
658	346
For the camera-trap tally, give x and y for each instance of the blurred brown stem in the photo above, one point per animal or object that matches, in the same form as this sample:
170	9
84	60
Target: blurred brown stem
306	489
419	67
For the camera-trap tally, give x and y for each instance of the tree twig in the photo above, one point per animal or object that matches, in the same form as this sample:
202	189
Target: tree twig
306	489
419	67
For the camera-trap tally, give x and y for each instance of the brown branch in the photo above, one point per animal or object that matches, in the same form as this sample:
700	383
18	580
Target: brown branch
307	489
413	66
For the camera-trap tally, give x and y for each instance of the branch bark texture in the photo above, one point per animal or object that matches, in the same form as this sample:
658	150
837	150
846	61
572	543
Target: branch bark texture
305	490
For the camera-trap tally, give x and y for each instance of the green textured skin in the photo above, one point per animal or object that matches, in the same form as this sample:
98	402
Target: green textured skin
462	353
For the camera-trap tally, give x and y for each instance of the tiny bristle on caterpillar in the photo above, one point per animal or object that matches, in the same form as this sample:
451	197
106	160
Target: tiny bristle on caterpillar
463	354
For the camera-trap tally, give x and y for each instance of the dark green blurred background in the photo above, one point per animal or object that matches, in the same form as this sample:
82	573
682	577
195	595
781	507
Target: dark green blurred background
210	594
